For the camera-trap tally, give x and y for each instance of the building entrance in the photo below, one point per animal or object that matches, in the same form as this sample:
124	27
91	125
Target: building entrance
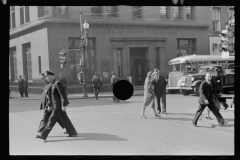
139	64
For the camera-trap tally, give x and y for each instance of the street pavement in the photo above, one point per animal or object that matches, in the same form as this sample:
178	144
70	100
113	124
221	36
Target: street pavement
108	128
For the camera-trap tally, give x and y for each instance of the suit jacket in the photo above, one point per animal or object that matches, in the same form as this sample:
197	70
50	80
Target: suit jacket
44	98
25	83
96	81
58	97
20	83
114	79
63	80
205	92
159	84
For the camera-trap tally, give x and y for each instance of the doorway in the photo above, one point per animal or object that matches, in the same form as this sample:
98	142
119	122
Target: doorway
139	64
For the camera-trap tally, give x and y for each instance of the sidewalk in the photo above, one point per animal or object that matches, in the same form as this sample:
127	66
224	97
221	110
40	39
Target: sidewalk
32	96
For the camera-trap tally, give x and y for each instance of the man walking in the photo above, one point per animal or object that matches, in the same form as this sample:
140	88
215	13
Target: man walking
20	85
160	83
97	83
206	99
44	106
114	80
58	103
25	86
63	80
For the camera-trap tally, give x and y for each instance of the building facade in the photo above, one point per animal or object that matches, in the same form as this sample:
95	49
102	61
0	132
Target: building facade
220	16
126	39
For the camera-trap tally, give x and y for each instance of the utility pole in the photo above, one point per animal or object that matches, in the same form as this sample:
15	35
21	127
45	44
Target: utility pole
83	47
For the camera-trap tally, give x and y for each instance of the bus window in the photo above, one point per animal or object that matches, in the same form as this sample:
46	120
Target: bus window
177	67
185	67
171	68
194	66
202	63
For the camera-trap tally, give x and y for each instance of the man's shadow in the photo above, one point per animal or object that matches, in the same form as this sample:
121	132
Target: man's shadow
90	136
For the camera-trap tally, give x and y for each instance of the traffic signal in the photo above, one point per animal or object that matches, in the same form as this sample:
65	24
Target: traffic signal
62	59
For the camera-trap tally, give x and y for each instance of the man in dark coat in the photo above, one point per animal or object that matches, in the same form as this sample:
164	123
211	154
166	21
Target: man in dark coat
58	103
160	83
25	86
206	99
97	83
63	80
20	85
114	80
44	106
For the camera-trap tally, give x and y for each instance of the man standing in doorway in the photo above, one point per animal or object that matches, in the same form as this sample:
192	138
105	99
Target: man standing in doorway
63	80
25	86
97	83
20	85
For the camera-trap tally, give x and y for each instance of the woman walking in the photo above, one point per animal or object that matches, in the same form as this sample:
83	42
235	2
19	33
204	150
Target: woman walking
149	96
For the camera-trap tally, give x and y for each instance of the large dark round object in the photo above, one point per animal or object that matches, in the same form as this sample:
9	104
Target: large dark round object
123	90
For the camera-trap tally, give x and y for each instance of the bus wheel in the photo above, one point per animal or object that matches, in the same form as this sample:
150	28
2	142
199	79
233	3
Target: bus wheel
196	89
184	92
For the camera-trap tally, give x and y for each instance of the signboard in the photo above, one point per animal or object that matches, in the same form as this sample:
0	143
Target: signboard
225	54
105	74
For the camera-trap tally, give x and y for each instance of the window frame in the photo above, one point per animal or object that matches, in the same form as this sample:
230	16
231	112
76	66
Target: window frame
29	59
192	13
167	12
191	47
24	15
12	20
140	9
230	10
217	18
93	14
180	13
115	14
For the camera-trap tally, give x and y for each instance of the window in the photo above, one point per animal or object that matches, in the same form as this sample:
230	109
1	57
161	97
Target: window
74	57
214	46
202	63
137	12
43	11
39	64
189	12
112	11
29	63
96	11
216	19
24	15
60	10
12	18
157	57
230	12
176	13
164	12
186	47
13	64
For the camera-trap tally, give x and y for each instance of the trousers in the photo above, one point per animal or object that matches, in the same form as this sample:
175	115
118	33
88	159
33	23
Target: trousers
214	110
55	115
161	102
96	91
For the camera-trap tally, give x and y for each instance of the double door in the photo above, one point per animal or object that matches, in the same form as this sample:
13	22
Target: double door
139	70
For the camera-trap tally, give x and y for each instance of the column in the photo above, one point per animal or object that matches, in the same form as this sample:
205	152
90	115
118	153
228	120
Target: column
114	60
151	58
162	60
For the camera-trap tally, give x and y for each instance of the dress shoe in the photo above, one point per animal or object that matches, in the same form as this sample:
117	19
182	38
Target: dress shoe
224	123
66	132
72	135
194	125
164	113
38	136
44	139
157	116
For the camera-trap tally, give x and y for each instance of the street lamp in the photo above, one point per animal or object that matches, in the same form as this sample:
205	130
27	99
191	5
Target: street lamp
85	27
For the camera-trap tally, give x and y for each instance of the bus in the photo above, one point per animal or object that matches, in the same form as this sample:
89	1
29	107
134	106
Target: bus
186	65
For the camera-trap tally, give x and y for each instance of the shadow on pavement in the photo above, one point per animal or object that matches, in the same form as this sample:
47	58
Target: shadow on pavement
229	119
91	136
229	125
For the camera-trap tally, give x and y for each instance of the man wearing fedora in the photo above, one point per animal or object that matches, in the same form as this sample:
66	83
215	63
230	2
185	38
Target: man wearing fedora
97	83
114	80
57	103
